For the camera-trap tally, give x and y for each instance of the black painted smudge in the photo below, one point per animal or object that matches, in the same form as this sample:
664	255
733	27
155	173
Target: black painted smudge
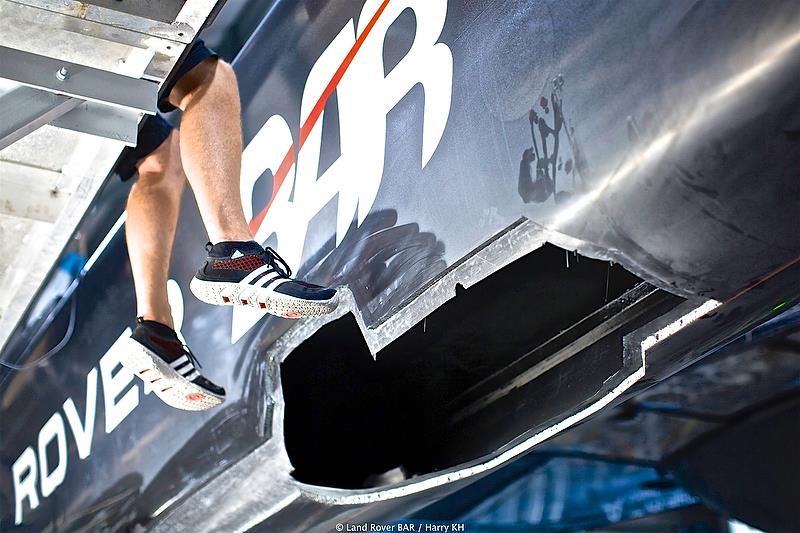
540	164
381	262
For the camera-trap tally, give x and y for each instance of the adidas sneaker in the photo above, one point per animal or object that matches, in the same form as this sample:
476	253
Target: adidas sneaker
156	355
244	273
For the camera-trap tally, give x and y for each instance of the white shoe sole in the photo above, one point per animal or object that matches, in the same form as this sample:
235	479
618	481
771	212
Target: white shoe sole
173	389
283	305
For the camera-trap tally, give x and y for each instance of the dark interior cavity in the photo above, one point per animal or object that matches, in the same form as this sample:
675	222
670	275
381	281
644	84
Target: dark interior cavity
350	418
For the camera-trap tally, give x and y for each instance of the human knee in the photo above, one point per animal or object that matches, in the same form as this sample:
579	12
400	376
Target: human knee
166	184
212	75
225	74
162	169
224	79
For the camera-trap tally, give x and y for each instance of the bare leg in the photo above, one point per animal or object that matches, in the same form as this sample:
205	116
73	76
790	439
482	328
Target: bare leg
211	146
153	206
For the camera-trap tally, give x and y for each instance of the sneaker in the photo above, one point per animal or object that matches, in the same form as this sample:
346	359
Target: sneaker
156	355
244	273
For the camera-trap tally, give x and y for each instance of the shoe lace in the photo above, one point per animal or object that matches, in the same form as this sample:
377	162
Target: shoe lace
191	357
272	257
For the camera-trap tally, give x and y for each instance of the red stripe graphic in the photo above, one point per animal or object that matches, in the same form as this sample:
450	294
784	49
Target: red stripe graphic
316	112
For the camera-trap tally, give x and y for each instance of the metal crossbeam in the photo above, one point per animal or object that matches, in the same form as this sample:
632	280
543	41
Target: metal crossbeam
103	121
97	45
24	110
78	81
146	21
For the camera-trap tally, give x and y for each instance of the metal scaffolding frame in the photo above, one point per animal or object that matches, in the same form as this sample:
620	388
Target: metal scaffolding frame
75	81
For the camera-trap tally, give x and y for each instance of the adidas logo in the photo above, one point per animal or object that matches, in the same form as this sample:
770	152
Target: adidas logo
236	254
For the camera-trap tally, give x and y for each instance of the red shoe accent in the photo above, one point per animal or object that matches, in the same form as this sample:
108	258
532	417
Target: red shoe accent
194	397
153	381
248	262
244	302
174	347
291	314
165	390
262	305
226	299
143	371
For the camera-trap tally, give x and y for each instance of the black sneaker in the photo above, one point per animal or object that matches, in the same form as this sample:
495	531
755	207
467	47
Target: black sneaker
155	354
244	273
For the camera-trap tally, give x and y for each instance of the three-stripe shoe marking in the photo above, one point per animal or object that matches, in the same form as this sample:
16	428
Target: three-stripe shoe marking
172	382
265	276
185	368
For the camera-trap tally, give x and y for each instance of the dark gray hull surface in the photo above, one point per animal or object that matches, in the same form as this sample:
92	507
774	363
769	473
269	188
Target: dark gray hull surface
406	150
